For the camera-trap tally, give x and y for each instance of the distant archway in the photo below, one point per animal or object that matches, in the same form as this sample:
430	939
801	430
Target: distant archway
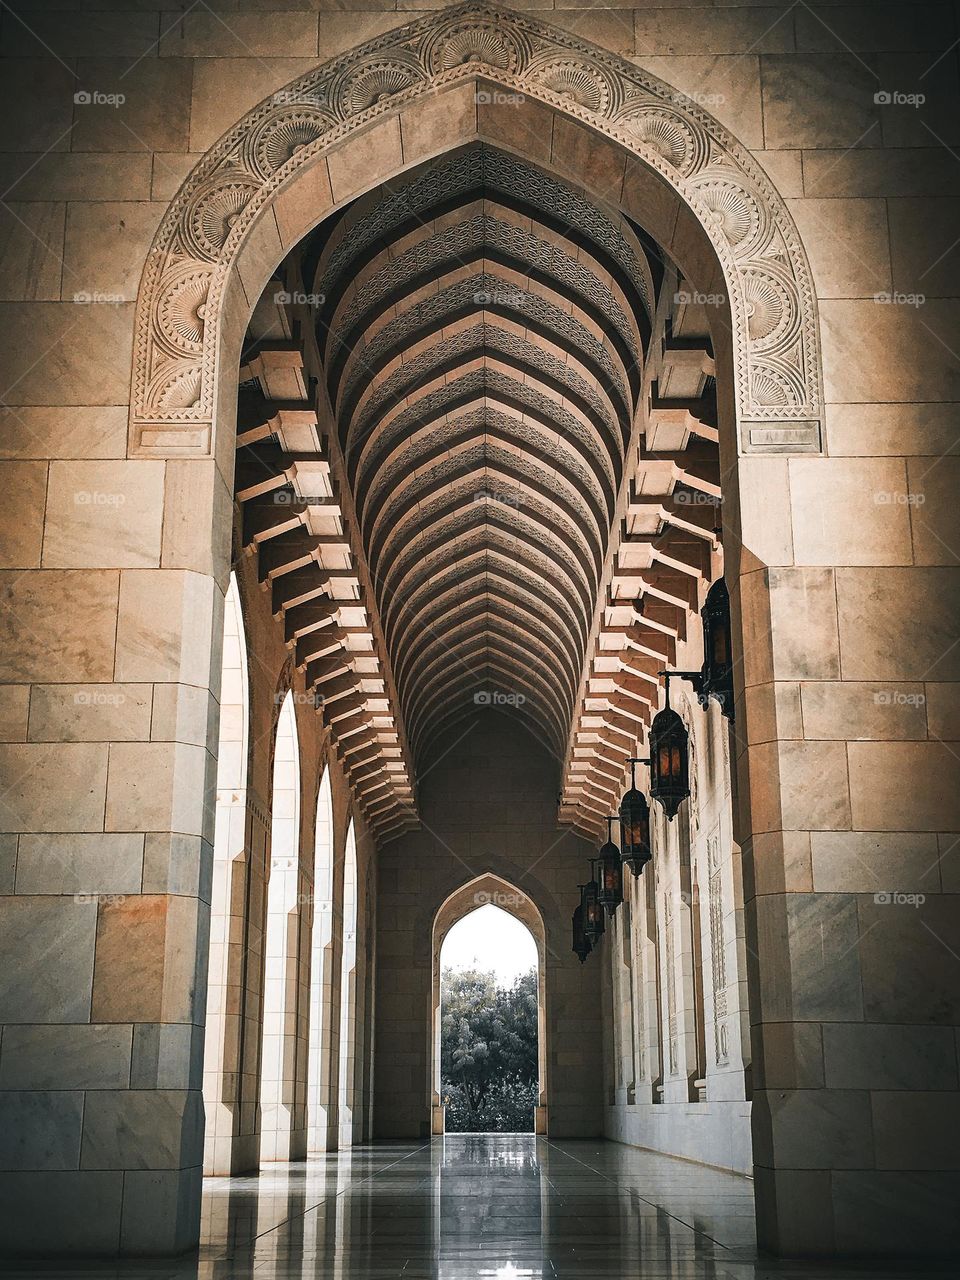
320	1108
492	889
223	1034
348	994
278	1059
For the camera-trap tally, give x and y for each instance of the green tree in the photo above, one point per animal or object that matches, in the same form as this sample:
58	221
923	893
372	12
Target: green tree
488	1052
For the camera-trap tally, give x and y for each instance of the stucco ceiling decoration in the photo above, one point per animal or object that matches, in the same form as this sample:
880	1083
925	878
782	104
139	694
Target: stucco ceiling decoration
776	351
483	363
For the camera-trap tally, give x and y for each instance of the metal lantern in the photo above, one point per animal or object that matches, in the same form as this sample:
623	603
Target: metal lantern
717	679
592	912
635	824
669	758
610	879
581	943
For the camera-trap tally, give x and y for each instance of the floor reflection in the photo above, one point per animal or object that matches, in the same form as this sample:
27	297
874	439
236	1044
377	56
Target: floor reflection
478	1207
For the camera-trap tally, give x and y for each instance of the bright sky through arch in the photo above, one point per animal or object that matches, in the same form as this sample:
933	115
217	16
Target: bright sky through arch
493	940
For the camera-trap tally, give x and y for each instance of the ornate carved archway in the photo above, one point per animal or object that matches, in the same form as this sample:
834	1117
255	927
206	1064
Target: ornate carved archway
770	292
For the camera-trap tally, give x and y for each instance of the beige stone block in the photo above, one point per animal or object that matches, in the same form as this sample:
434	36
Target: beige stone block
898	624
73	176
819	101
84	864
726	86
906	123
184	713
916	1130
44	362
813	785
779	862
733	31
153	115
63	433
166	626
612	29
889	351
36	103
342	31
53	940
65	1057
60	621
365	160
52	787
923	246
790	1055
876	430
891	172
922	990
169	171
434	121
105	248
785	169
141	1129
874	862
842	710
180	864
224	90
302	203
157	786
904	786
203	34
803	624
197	513
89	1218
68	35
157	981
14	710
21	517
103	515
809	967
525	127
594	162
40	1130
870	1056
932	487
867	28
261	251
764	504
90	712
943	711
31	251
818	1128
847	243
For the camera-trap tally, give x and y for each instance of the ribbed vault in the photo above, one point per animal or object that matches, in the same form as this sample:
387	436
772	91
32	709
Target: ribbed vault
482	331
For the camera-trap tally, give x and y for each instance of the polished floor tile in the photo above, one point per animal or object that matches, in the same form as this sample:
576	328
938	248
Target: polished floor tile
478	1207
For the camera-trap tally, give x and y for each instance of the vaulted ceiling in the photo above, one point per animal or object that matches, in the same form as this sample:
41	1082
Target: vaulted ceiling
482	332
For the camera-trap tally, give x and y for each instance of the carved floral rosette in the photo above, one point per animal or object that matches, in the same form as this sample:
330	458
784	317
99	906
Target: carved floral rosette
773	307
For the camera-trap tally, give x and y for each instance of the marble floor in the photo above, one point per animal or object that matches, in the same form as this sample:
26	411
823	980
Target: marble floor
477	1207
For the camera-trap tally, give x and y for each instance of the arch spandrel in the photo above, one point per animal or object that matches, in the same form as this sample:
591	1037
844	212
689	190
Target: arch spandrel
777	368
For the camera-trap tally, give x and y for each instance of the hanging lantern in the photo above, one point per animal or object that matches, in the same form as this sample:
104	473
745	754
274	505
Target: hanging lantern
610	879
717	680
581	943
669	758
592	911
635	824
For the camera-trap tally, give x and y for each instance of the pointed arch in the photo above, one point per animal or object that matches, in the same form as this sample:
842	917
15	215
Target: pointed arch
483	890
253	174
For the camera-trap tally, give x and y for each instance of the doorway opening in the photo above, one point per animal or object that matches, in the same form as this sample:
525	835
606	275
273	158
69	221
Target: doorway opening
489	1021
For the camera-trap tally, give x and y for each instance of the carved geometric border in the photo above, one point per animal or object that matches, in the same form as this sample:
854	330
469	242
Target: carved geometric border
771	295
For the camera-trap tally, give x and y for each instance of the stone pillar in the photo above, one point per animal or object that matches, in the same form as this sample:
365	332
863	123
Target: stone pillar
849	637
111	623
